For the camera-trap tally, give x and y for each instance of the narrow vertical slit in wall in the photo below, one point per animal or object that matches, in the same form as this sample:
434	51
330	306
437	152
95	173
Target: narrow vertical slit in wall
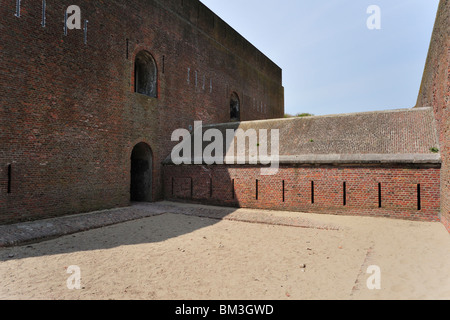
380	203
9	177
85	29
233	192
136	77
17	9
210	188
284	191
419	198
128	48
44	5
345	194
312	192
257	189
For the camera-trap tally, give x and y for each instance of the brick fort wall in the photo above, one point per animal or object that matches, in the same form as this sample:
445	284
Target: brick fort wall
368	191
69	116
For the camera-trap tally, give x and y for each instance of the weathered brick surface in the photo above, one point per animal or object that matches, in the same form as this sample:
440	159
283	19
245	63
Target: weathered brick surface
69	117
399	196
435	92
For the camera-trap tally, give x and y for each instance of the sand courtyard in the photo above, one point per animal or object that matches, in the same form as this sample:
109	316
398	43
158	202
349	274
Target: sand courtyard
185	252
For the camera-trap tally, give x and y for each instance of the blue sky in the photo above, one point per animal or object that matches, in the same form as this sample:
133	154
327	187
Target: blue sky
332	63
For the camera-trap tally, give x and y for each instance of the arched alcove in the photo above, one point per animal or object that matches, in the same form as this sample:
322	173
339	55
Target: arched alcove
146	74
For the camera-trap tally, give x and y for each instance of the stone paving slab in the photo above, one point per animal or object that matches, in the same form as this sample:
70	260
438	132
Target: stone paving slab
37	231
30	232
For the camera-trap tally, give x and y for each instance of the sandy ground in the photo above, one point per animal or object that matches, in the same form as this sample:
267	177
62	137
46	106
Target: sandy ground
175	256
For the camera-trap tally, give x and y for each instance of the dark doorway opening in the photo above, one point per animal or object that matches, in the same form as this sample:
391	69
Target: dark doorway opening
141	173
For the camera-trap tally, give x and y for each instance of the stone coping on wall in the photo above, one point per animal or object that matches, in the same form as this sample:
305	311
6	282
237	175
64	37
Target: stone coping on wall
324	159
337	115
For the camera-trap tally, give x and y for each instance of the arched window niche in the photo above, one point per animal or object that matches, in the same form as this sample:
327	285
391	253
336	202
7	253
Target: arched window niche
235	108
145	75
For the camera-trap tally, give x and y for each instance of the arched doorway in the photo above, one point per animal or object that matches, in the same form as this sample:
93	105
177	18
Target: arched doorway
141	173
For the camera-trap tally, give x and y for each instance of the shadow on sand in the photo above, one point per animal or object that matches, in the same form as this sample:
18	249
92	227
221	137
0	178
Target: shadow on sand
137	224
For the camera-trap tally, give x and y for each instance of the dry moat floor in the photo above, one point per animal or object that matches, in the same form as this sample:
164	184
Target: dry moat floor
179	251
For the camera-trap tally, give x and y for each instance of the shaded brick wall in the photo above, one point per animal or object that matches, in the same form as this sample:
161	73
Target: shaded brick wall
237	187
69	117
435	92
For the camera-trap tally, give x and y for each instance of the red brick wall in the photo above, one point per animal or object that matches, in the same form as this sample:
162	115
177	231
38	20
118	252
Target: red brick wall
435	92
69	118
398	189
